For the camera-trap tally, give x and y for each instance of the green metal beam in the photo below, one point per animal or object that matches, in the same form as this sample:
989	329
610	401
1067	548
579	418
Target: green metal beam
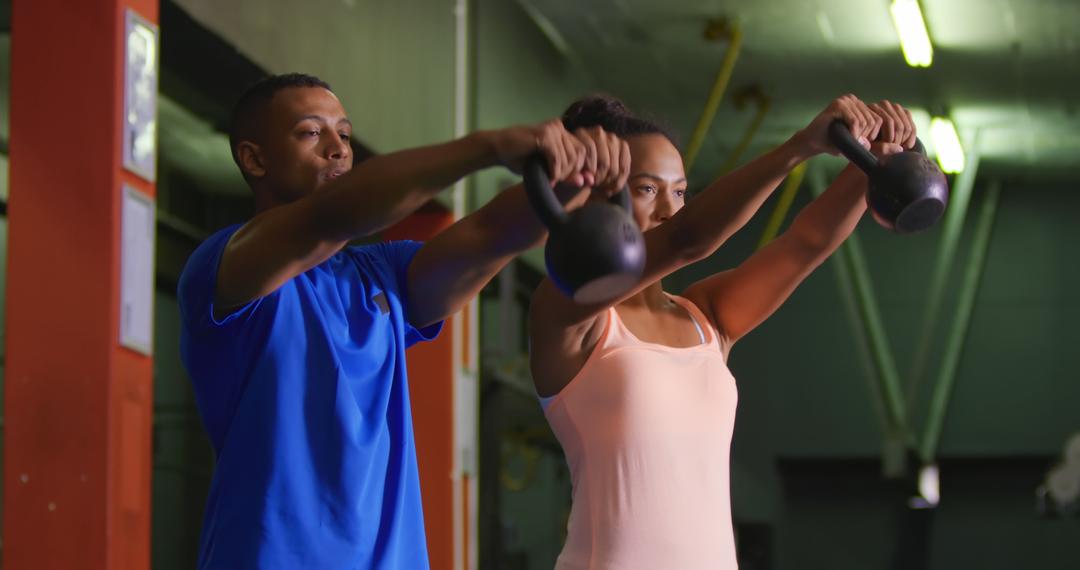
950	238
862	344
965	305
856	284
853	256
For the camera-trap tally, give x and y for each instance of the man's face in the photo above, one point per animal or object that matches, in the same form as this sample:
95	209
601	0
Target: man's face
305	142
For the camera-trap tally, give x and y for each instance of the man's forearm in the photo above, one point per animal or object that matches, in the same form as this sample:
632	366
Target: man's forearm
383	190
453	266
511	223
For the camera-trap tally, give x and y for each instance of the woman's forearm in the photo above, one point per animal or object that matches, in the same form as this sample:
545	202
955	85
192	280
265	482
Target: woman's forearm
727	204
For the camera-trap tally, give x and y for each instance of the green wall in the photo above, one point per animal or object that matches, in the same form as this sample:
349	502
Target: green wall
182	457
806	392
519	78
1012	388
391	63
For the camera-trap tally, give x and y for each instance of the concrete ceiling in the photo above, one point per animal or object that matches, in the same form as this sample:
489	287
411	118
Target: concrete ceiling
1008	69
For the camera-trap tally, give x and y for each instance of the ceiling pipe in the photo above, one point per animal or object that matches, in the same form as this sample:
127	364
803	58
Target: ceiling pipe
743	97
783	204
715	30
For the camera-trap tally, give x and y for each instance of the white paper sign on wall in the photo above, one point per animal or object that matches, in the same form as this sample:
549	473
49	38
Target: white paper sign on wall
137	234
140	96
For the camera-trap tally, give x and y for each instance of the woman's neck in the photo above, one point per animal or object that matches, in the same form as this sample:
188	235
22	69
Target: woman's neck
651	298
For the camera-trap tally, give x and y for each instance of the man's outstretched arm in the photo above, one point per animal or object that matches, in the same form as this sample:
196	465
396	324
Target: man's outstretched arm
287	240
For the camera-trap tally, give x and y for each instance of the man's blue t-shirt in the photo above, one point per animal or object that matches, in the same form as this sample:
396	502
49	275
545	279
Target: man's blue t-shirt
304	395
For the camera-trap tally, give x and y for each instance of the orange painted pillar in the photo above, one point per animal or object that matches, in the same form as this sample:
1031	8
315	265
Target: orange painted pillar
431	392
77	405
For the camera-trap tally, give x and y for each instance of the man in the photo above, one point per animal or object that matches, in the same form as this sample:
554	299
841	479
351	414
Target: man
296	343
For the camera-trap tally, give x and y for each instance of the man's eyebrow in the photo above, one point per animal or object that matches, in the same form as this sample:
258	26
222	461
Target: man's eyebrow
321	118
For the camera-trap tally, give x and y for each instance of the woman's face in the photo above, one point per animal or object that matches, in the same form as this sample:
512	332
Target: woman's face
657	179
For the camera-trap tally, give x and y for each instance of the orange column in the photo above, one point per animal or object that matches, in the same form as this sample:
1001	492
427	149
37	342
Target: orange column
77	405
431	391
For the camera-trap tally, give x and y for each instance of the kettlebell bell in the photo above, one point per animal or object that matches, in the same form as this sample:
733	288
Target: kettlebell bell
908	192
595	253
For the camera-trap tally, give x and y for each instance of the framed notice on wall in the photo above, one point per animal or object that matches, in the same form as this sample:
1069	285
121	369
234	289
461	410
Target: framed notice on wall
137	234
140	96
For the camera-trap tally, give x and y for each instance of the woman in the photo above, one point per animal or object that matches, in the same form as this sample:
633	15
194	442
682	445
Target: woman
638	391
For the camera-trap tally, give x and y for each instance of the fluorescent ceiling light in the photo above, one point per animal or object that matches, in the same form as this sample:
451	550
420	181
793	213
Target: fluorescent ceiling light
914	41
929	487
950	153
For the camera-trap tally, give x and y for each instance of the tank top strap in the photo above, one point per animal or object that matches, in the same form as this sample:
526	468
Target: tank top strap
615	331
699	317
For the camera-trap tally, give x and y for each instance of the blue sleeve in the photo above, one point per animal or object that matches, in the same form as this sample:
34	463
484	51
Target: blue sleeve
218	352
195	292
399	255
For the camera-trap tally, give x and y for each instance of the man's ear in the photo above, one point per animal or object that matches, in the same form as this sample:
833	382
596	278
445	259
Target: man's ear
251	159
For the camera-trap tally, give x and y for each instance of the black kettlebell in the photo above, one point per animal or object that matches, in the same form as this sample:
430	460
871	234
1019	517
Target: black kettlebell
908	192
595	253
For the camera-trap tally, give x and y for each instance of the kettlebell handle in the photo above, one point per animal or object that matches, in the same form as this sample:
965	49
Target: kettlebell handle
845	142
542	196
919	147
622	199
841	136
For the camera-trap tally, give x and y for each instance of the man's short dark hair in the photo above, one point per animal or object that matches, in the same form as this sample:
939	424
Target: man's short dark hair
249	111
